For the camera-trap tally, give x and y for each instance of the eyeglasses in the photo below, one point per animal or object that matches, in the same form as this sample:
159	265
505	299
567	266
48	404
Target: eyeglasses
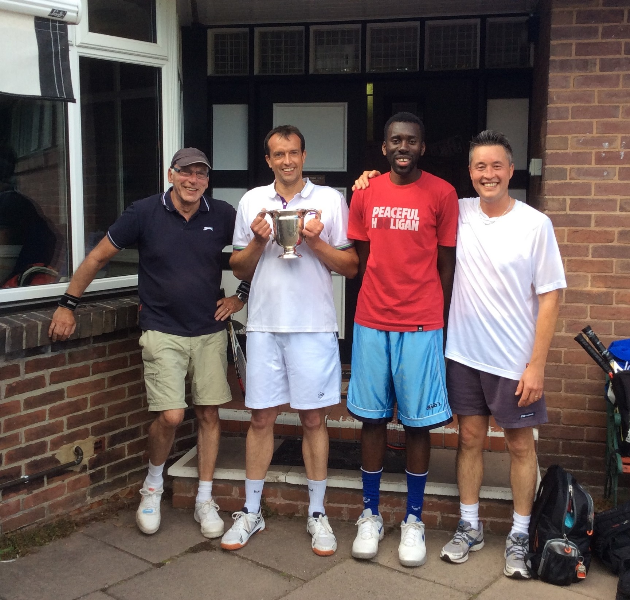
203	175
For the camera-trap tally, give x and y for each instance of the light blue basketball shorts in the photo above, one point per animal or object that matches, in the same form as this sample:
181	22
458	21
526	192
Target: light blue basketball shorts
406	368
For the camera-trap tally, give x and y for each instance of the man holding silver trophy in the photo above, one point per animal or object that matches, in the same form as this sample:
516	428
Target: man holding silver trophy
292	348
404	225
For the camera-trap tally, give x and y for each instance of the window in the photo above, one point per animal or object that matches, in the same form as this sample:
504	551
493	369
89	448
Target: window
131	19
393	47
34	227
228	52
336	49
452	45
507	43
280	51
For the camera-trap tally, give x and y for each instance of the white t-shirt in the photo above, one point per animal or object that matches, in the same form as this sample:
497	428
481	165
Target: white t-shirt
502	265
292	295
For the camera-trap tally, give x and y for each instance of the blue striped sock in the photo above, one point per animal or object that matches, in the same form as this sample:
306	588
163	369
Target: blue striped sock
415	494
371	489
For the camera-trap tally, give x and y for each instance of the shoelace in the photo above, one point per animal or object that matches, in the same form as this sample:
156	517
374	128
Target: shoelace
322	528
207	507
413	532
241	520
461	535
518	549
367	526
150	498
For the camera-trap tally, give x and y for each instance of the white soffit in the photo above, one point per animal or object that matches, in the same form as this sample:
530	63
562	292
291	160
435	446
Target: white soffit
212	12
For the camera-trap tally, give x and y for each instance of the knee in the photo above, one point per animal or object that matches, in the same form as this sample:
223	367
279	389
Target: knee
520	446
312	420
471	438
170	419
263	419
207	415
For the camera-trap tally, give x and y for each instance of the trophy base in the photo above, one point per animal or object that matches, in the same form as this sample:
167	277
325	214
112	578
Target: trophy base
290	255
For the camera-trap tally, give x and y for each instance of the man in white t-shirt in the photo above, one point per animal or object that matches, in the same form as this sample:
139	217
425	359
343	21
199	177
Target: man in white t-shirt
503	315
292	348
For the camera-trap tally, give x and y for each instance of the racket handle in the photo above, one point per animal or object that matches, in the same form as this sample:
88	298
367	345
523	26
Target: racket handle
597	343
580	339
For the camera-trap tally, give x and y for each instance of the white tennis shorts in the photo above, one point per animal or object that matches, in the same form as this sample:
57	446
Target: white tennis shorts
300	369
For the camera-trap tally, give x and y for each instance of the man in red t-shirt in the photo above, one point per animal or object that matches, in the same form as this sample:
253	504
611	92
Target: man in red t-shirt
405	227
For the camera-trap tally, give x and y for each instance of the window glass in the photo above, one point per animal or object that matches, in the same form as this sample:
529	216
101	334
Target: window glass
33	192
131	19
121	133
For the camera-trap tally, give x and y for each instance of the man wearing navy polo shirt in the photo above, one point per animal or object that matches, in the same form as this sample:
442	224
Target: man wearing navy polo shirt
180	235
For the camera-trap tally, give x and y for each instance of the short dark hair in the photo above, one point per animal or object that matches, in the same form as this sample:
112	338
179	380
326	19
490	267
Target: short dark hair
490	137
404	117
284	131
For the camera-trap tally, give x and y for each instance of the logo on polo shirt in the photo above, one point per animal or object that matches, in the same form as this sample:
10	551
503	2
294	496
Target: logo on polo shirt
210	228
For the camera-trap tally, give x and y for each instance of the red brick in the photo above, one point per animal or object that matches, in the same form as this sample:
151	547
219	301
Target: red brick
559	82
87	354
569	158
611	281
588	297
595	142
135	389
574	250
122	347
70	374
557	142
572	65
555	173
609	251
574	32
593	204
613	157
570	128
25	452
44	496
579	265
614	64
623	174
564	50
612	97
24	518
615	32
596	81
45	399
9	508
69	438
68	503
108	396
87	387
85	418
23	420
114	364
571	97
603	127
48	362
622	266
568	188
24	385
9	441
598	16
124	377
69	407
615	221
9	372
614	313
123	407
595	112
10	408
598	49
562	17
611	188
43	431
107	457
622	298
107	426
583	418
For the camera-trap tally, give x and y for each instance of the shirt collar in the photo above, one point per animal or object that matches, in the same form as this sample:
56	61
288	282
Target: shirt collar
204	205
309	186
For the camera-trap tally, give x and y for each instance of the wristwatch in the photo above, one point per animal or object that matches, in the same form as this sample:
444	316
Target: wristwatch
242	291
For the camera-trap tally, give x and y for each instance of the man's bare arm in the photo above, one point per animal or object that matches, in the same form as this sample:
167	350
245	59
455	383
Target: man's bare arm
530	387
363	182
446	271
345	262
244	262
63	322
363	252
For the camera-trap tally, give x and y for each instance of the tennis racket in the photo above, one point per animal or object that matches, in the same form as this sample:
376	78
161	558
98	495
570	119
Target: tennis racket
607	356
239	356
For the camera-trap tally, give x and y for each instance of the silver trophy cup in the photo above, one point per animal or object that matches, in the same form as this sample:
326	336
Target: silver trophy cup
287	229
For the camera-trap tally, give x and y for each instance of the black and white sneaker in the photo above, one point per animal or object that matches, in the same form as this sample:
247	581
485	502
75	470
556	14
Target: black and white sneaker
245	525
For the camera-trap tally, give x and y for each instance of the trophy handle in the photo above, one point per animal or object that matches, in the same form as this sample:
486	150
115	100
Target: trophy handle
307	211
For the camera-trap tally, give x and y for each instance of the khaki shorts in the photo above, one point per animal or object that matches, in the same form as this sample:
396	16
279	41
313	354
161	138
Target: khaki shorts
168	358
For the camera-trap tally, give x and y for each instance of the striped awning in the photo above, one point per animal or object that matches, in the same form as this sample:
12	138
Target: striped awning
34	60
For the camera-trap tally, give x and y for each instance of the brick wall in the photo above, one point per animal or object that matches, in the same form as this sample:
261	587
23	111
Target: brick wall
87	392
586	188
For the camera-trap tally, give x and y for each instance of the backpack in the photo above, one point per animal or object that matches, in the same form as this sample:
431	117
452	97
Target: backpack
560	529
611	539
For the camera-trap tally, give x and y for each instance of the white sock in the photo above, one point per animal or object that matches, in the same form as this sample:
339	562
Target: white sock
520	524
155	479
470	513
204	493
253	494
316	492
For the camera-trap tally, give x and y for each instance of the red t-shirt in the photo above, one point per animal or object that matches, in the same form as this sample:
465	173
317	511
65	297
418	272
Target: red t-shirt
404	224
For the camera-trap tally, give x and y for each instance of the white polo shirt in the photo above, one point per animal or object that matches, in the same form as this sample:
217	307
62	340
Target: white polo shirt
292	295
503	264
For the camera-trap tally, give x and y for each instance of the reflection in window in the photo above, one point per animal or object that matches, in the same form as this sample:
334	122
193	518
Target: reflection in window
121	133
131	19
33	192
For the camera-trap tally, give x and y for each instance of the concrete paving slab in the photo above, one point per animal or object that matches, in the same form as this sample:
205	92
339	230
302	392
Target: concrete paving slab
600	583
97	596
178	532
207	575
479	571
286	546
526	590
354	580
67	569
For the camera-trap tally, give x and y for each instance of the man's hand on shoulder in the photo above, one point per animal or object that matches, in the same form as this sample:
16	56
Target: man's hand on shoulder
363	182
261	228
63	325
227	307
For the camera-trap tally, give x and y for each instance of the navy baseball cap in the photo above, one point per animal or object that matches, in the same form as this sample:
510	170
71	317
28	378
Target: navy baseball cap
190	156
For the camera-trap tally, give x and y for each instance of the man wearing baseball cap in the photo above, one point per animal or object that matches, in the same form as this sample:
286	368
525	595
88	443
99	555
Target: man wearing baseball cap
180	235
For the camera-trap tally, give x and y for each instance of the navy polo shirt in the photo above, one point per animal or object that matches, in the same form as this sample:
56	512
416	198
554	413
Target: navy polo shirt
179	270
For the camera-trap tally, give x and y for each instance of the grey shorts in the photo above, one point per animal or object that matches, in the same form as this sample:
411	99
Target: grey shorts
473	392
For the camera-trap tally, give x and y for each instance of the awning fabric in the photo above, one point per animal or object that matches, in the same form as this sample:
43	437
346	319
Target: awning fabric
34	58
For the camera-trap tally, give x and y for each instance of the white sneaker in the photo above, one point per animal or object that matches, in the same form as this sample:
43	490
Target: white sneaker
148	513
206	514
324	542
370	532
245	525
412	551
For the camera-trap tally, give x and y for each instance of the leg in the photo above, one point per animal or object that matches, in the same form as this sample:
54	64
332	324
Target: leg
162	434
373	446
315	443
259	445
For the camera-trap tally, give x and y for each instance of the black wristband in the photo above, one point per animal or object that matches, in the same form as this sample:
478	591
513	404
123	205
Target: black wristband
242	291
69	301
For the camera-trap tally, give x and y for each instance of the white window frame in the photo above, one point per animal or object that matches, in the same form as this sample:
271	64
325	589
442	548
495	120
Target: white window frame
164	54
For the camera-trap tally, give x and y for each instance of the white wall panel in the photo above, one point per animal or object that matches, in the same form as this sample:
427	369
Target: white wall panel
229	137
